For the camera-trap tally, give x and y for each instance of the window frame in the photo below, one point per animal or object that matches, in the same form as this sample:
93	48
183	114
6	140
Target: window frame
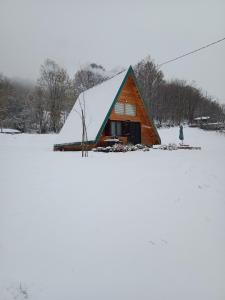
122	110
116	128
133	107
119	110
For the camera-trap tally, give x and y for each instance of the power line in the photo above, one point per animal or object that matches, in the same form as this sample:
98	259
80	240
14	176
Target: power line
186	54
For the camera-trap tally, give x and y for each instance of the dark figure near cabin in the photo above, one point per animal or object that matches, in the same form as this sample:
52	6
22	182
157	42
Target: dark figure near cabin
181	134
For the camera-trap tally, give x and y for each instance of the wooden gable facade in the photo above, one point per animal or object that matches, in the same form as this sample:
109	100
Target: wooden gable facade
127	120
134	124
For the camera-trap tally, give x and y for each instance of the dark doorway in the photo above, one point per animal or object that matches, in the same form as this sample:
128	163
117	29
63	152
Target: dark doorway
133	132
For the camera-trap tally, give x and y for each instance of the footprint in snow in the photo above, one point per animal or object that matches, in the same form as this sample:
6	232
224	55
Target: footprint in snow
208	219
177	200
164	241
206	185
151	242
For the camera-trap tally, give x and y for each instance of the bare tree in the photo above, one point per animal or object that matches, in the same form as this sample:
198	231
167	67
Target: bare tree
149	79
84	141
87	77
5	89
40	110
55	83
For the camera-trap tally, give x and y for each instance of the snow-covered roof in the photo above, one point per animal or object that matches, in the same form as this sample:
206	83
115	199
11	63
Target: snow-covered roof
201	118
9	130
98	101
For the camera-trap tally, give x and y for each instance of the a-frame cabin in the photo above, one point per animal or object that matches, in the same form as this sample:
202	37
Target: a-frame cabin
115	110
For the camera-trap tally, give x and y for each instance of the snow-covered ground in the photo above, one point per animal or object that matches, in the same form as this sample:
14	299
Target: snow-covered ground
124	226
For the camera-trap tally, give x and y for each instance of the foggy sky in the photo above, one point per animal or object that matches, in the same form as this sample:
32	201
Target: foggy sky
115	33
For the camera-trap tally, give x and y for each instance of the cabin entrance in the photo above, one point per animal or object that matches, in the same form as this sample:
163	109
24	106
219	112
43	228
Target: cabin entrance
128	129
133	132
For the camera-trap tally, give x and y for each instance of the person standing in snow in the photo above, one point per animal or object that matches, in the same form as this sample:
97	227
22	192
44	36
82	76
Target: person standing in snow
181	134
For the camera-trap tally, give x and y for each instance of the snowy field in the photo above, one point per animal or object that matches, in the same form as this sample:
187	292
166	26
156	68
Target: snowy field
117	226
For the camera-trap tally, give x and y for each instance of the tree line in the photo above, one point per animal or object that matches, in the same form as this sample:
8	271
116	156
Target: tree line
43	107
174	102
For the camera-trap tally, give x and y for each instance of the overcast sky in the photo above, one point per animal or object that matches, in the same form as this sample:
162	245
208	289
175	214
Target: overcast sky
115	33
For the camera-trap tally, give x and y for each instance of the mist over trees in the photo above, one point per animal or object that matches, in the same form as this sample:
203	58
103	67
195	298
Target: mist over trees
87	77
44	106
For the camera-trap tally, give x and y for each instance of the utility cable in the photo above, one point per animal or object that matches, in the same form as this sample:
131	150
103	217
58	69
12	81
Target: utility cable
191	52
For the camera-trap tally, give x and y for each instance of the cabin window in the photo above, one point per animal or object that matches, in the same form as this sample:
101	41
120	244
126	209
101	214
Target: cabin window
125	109
130	109
116	128
119	108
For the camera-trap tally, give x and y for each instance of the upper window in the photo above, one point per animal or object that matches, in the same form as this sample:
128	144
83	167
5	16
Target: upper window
130	109
125	109
119	108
